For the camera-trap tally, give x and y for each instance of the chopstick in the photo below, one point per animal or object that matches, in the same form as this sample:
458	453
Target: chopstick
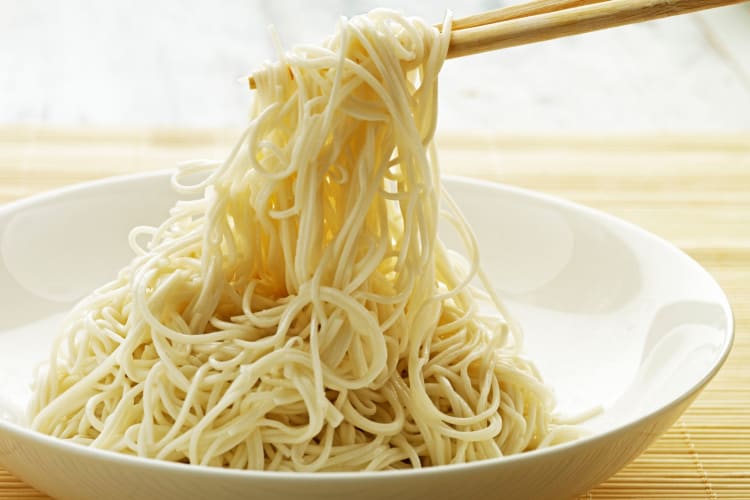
541	20
581	18
527	9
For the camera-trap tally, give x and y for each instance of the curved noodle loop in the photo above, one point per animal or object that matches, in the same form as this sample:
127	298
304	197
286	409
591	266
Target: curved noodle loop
302	313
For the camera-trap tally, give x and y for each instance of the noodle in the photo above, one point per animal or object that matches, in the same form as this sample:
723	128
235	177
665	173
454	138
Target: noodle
303	315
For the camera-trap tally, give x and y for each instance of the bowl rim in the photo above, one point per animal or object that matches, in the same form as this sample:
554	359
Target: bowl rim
517	459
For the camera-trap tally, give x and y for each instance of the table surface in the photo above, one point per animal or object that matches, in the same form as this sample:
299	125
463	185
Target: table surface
691	190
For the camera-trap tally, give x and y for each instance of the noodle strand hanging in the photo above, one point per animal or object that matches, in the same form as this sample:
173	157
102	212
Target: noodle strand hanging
302	313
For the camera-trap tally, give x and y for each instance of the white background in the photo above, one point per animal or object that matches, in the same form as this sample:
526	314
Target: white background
176	64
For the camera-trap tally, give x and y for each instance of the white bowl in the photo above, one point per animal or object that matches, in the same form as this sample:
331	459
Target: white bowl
613	315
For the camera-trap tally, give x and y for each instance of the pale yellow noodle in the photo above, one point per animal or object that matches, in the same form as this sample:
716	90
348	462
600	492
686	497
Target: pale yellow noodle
302	314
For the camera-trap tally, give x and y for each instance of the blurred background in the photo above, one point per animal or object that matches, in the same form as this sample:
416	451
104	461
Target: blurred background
168	63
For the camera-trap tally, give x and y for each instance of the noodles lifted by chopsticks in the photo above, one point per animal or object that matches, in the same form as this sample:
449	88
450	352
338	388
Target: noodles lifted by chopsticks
303	314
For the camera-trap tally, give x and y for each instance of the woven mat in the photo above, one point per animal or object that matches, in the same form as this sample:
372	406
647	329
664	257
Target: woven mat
693	191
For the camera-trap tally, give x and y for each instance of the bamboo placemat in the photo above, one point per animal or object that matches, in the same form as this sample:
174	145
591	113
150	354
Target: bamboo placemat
694	191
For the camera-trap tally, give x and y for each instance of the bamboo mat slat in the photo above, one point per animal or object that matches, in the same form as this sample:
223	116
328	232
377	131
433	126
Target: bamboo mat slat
691	190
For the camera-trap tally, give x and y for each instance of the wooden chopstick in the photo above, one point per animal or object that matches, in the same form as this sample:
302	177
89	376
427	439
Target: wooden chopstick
527	9
569	21
541	20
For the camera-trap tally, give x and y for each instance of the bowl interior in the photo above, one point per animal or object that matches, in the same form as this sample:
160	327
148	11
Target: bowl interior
613	316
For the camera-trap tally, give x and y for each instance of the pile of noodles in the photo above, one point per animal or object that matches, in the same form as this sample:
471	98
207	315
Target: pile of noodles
302	313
